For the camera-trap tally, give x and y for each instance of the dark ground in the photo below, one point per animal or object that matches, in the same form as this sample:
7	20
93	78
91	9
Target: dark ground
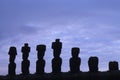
67	76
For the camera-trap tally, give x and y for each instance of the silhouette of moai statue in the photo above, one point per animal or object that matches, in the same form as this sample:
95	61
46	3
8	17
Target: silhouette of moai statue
40	64
56	61
75	61
113	66
25	63
12	65
93	64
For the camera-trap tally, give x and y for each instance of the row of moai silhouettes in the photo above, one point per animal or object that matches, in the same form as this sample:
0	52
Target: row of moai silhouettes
74	62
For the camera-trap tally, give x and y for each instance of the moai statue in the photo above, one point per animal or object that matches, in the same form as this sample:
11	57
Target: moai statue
25	51
12	65
93	64
113	66
25	63
75	61
40	64
56	61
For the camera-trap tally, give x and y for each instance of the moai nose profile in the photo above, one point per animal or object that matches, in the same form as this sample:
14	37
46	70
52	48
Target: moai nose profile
75	61
113	66
93	64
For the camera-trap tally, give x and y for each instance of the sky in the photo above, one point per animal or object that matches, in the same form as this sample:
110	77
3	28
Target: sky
91	25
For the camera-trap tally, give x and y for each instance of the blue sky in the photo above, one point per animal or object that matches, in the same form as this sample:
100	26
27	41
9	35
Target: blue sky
91	25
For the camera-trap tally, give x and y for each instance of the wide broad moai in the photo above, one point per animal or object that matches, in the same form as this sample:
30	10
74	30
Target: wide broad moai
56	61
12	65
25	63
75	61
113	66
93	64
40	63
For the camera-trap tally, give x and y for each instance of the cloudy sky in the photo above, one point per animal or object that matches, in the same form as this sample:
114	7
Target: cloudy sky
91	25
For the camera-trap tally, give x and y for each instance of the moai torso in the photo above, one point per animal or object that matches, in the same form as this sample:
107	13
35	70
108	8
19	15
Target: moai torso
25	67
56	65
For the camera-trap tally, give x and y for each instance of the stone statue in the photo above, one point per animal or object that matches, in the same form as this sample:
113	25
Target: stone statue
75	61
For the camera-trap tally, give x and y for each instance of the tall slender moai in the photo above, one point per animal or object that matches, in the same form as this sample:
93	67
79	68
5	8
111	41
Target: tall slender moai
93	64
25	63
75	61
40	63
12	65
56	61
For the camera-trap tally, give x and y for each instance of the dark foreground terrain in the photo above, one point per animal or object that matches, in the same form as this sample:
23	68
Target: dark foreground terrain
67	76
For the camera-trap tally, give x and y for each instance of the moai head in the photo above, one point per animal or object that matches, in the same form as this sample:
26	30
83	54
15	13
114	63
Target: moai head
75	51
93	64
41	49
12	51
113	66
57	40
26	44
